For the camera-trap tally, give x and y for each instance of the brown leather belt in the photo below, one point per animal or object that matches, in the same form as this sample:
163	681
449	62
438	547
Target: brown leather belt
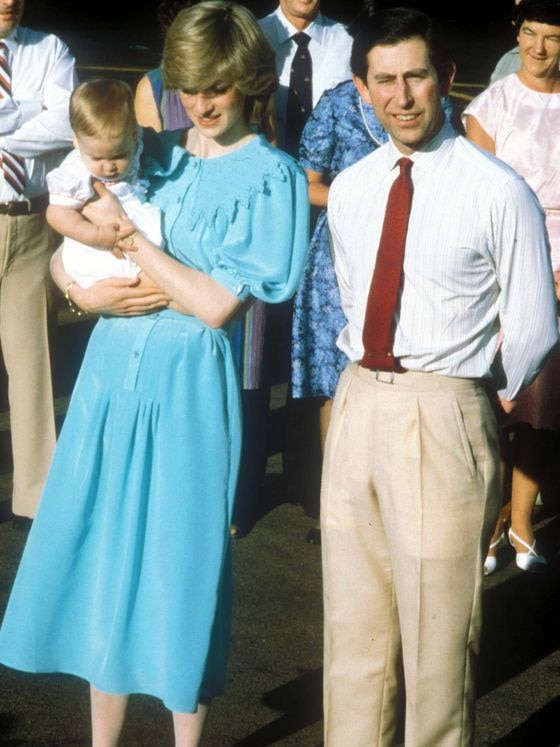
25	206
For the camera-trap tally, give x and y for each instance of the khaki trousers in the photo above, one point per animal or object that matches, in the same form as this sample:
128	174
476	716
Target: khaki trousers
26	323
409	500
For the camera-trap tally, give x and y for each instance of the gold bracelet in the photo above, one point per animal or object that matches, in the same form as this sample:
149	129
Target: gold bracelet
73	308
129	240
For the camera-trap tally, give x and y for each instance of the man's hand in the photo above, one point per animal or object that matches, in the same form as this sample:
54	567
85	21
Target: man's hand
507	405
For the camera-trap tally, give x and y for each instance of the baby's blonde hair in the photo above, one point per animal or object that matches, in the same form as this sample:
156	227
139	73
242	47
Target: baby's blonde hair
102	106
216	43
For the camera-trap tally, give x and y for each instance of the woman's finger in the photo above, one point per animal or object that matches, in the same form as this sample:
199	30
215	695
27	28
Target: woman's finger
100	188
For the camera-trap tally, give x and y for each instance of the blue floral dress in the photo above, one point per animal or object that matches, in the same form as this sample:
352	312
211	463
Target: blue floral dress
125	577
340	131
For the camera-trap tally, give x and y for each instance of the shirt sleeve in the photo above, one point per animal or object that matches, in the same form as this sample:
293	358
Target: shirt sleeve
268	265
510	62
485	109
31	128
527	303
337	248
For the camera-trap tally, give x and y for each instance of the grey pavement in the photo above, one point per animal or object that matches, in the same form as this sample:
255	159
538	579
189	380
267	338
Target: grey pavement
273	695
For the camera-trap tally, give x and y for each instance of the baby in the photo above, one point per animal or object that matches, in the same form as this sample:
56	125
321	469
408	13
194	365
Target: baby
107	147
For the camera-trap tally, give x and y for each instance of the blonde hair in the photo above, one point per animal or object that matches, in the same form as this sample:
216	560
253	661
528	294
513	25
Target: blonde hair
102	106
216	43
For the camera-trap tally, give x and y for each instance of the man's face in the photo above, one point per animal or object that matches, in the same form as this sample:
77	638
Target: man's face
403	87
10	16
300	11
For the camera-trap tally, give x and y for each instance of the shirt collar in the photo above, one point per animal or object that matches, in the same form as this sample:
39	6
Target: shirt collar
11	41
430	155
287	30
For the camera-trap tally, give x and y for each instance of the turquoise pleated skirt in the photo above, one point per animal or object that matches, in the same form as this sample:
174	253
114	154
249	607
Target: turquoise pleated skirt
125	577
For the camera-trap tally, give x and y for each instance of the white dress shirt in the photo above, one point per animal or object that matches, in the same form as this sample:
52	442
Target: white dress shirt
476	265
329	47
34	122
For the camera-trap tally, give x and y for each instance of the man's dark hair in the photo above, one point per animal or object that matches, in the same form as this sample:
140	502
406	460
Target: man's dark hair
540	11
393	25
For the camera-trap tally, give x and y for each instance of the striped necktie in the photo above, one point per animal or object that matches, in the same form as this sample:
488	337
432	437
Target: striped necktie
13	166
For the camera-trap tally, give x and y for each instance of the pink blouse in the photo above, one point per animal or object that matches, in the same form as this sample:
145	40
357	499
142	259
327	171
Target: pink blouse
524	125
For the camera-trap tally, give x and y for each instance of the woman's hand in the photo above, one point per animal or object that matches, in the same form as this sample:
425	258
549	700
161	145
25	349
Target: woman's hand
318	190
112	222
120	296
105	209
116	296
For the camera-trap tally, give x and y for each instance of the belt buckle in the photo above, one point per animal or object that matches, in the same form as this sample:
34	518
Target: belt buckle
23	201
382	380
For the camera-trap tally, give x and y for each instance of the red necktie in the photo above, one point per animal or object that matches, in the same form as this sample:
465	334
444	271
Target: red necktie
12	166
385	284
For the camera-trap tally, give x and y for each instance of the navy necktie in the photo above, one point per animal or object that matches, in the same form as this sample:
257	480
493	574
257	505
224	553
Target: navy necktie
300	96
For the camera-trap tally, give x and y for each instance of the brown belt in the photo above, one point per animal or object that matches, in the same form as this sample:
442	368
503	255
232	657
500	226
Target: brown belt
25	206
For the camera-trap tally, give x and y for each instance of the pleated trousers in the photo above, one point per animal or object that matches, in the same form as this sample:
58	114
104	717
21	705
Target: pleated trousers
26	329
409	500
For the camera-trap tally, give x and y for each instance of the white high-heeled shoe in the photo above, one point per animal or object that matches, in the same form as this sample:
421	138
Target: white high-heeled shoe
491	562
530	560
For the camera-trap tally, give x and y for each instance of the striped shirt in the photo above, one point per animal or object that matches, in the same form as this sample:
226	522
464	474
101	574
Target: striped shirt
477	264
34	122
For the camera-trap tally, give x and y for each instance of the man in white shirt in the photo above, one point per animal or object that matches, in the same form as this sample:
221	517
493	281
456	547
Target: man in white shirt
37	76
410	489
329	49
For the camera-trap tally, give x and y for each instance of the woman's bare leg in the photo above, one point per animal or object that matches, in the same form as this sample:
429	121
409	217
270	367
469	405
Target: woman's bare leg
189	727
505	511
107	717
530	458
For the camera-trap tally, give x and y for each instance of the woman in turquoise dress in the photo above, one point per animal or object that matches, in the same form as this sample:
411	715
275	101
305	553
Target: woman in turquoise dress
125	579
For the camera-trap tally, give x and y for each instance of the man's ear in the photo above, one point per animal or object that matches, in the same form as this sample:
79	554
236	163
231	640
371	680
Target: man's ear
362	89
447	78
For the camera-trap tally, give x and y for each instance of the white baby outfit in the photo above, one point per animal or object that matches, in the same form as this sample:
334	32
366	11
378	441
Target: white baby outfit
70	185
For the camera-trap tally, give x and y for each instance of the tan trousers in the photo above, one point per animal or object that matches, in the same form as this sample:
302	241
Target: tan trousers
26	323
409	501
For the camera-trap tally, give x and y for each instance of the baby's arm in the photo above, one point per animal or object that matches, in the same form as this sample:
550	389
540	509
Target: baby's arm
69	221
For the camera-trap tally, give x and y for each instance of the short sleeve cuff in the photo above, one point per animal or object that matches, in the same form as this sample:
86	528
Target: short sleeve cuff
64	201
231	282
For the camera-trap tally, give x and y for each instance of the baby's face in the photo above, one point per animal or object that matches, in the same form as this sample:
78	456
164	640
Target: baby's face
106	157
